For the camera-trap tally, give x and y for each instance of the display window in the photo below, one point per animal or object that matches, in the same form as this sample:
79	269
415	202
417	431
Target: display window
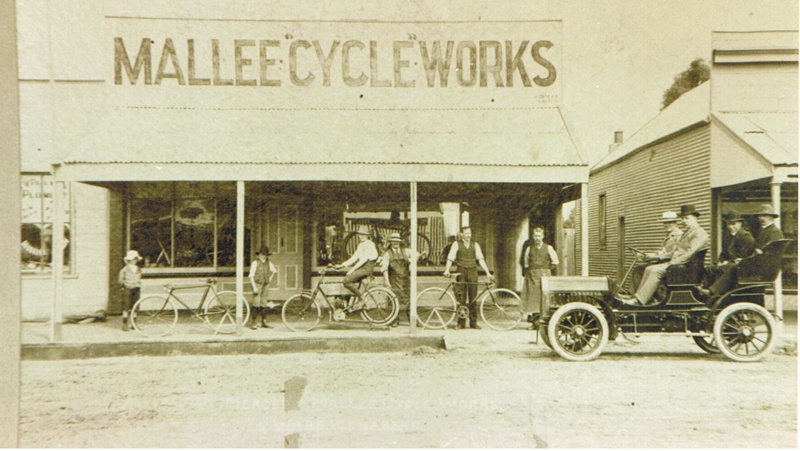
37	224
183	225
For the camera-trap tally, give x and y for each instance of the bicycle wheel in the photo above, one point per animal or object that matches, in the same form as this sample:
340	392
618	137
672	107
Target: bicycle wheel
154	316
500	309
300	313
436	308
424	249
381	306
350	244
220	312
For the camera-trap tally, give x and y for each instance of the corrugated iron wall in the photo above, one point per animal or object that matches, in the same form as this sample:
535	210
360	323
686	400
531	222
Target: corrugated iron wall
640	187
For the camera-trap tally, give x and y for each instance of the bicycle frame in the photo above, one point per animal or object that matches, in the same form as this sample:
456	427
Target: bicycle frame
209	288
332	308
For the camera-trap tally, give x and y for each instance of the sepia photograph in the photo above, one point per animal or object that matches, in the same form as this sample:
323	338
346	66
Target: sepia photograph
385	224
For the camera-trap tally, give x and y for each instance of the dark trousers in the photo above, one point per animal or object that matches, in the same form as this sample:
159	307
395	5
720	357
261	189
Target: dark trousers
129	297
726	281
468	291
351	281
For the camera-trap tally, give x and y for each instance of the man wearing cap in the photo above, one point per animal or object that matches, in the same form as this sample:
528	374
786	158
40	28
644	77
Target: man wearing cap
261	273
674	233
363	262
395	264
467	256
692	241
769	232
737	244
130	279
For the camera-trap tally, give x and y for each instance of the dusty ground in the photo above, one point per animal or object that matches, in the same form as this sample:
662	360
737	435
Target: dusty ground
489	390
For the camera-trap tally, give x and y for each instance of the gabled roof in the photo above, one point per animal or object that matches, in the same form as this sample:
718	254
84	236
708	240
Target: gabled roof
773	135
690	109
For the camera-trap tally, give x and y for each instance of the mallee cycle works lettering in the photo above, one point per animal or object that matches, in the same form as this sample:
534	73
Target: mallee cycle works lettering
352	62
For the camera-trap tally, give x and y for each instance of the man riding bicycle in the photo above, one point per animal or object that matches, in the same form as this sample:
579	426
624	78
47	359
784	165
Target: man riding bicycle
363	262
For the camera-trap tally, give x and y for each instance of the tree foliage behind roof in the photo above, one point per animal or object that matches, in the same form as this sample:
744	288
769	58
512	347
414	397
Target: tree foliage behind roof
697	73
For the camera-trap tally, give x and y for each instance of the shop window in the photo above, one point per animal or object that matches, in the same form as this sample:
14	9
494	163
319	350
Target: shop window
37	224
184	225
337	239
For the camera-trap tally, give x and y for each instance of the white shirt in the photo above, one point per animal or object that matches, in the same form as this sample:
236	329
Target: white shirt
366	251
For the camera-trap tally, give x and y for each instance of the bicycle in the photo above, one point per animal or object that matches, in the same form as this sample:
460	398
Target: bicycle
157	315
437	307
302	312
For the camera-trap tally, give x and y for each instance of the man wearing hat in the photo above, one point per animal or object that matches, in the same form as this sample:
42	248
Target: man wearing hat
674	233
467	256
363	262
395	266
692	241
130	279
768	233
737	244
261	273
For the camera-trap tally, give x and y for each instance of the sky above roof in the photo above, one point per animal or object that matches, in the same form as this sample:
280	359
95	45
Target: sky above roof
620	56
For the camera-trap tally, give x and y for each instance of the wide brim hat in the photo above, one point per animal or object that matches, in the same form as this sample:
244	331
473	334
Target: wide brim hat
363	230
669	216
395	238
132	255
766	210
264	250
689	210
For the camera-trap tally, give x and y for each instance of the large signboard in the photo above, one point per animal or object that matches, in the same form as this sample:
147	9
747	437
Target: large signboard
341	63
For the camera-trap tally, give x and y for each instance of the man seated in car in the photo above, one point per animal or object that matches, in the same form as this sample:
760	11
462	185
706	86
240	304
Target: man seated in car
668	246
737	244
694	239
769	232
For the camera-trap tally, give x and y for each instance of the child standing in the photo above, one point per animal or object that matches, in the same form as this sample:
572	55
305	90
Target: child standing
261	273
130	279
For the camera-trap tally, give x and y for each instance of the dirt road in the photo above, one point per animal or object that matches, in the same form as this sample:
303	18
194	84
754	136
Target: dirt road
488	390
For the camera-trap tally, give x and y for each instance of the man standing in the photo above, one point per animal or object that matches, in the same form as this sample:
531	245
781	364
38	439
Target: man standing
540	260
769	232
692	241
395	266
738	243
467	256
363	262
668	246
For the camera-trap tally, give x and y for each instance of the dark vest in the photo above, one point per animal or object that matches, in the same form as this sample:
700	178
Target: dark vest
262	272
539	258
465	257
398	262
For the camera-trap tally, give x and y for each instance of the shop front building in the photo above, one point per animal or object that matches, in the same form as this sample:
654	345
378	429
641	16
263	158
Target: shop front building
196	137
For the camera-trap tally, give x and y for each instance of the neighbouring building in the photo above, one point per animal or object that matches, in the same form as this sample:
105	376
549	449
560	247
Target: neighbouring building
729	145
197	135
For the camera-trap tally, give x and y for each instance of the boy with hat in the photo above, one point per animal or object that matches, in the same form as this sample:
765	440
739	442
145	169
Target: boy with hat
395	266
692	241
130	279
261	273
363	262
